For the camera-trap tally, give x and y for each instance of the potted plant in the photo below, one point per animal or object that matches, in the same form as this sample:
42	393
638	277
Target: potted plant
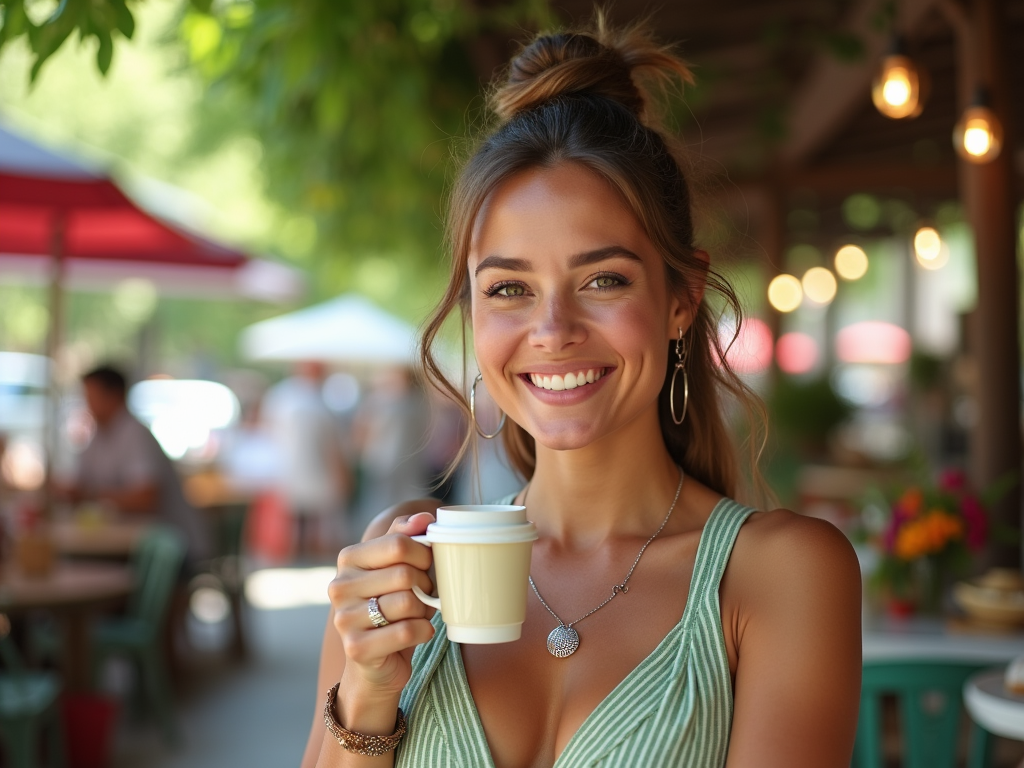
925	537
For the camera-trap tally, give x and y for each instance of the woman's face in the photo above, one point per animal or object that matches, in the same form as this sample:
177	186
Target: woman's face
571	306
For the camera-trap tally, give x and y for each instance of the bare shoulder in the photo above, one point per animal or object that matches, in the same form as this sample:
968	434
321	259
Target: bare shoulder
381	524
782	555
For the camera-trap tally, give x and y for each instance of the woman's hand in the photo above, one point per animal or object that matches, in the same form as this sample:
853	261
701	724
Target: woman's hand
378	660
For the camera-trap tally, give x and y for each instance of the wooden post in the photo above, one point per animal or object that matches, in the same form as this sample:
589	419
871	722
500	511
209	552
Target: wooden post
51	434
988	196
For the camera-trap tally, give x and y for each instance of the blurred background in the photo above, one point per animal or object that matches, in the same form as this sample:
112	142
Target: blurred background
220	226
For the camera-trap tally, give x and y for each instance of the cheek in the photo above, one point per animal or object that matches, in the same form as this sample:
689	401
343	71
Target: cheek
496	336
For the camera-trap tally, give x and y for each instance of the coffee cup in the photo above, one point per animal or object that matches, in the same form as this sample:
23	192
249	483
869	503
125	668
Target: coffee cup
482	563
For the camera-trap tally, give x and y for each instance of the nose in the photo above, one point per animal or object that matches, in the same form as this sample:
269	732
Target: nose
557	324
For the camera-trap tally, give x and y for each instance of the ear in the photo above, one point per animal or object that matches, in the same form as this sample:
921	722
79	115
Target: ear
683	308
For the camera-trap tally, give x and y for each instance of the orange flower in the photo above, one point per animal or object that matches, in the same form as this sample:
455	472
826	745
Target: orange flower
927	534
911	501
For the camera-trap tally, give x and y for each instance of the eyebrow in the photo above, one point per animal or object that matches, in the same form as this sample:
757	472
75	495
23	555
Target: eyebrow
576	260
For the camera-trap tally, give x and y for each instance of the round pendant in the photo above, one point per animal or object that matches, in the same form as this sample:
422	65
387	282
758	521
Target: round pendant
563	641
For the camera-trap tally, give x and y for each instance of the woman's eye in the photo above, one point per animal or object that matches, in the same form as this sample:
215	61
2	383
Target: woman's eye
606	281
509	290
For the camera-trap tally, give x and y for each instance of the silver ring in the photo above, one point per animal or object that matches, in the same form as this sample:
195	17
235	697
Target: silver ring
376	617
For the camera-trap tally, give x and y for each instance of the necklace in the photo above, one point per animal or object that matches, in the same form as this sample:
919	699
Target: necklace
563	639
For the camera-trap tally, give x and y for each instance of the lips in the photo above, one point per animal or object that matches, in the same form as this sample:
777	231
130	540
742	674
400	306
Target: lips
569	380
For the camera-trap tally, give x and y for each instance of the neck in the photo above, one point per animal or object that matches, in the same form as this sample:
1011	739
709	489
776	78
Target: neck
620	485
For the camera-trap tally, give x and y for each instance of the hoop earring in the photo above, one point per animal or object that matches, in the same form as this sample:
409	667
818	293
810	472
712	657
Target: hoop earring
682	351
472	412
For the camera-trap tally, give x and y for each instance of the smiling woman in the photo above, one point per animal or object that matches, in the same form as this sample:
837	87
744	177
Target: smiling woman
712	634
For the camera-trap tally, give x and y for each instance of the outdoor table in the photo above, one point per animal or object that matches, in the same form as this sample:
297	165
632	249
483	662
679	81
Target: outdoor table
116	539
73	592
886	639
993	707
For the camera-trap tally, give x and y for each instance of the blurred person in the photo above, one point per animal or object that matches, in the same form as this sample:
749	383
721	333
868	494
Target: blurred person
593	315
391	440
124	466
314	475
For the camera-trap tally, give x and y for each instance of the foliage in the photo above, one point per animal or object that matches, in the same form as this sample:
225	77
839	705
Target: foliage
101	19
807	411
356	105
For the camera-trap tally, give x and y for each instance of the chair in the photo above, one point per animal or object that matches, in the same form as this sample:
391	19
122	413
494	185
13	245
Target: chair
29	704
930	700
139	633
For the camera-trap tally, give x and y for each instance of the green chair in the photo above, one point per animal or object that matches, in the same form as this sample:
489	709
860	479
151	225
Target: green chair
930	699
29	705
139	634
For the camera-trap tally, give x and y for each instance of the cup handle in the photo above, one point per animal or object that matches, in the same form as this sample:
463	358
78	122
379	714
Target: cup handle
433	602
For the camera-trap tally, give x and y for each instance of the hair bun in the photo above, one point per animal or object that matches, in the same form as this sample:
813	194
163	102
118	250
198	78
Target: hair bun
616	64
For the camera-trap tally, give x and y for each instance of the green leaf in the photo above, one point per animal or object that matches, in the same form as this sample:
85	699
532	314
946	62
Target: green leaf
105	53
123	18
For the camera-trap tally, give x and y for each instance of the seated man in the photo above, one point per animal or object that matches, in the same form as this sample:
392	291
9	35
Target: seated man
125	466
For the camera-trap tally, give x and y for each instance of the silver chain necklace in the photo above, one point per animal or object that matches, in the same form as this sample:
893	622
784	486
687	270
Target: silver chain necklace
563	639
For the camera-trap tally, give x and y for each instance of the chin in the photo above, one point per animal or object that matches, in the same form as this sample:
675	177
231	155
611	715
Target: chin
565	436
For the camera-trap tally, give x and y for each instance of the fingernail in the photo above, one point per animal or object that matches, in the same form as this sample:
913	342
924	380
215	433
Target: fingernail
419	515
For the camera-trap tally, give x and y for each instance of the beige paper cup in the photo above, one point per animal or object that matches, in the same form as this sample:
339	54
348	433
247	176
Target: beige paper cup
482	562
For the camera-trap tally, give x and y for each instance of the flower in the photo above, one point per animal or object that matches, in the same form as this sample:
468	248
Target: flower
977	523
952	480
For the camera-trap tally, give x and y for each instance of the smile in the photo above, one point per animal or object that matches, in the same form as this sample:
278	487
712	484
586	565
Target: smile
571	380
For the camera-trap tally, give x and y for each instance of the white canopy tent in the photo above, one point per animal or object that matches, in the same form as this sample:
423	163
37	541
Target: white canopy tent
349	329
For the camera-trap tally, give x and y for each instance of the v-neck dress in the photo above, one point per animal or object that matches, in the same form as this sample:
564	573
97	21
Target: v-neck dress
674	709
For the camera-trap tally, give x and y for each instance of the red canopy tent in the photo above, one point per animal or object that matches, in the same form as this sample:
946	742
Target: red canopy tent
59	212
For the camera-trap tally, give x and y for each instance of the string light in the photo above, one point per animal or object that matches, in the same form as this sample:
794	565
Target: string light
898	87
851	262
819	285
929	250
785	293
978	135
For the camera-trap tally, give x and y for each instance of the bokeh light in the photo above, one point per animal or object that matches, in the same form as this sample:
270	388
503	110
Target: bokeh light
873	342
796	353
896	89
820	285
785	293
978	136
929	249
751	352
851	262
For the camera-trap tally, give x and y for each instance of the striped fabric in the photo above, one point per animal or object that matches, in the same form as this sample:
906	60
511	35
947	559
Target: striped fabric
674	709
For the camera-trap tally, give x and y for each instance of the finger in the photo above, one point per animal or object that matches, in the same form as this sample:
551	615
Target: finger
362	585
392	549
394	606
412	525
377	644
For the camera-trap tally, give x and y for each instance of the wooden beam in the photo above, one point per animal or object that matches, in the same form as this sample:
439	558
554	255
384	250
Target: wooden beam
835	90
994	325
937	180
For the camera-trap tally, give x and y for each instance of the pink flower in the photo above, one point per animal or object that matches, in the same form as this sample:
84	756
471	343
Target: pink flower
952	480
977	523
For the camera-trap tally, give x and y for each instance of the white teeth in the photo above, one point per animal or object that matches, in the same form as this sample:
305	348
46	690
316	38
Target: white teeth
570	380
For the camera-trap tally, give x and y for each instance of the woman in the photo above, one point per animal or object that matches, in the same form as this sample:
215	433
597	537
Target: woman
572	253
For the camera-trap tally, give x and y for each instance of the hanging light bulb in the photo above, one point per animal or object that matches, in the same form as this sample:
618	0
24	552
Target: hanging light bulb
929	250
978	135
899	85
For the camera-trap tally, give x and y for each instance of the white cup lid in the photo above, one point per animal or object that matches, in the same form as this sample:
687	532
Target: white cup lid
482	524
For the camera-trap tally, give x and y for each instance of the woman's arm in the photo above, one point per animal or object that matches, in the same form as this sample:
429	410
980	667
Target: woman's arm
373	714
797	625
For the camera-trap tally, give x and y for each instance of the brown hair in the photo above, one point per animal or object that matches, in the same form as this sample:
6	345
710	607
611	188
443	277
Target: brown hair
590	97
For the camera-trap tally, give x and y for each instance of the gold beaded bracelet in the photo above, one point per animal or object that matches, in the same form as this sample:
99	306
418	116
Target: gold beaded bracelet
360	743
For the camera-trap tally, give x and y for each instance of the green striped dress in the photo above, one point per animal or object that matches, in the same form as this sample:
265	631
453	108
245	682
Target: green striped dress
674	709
